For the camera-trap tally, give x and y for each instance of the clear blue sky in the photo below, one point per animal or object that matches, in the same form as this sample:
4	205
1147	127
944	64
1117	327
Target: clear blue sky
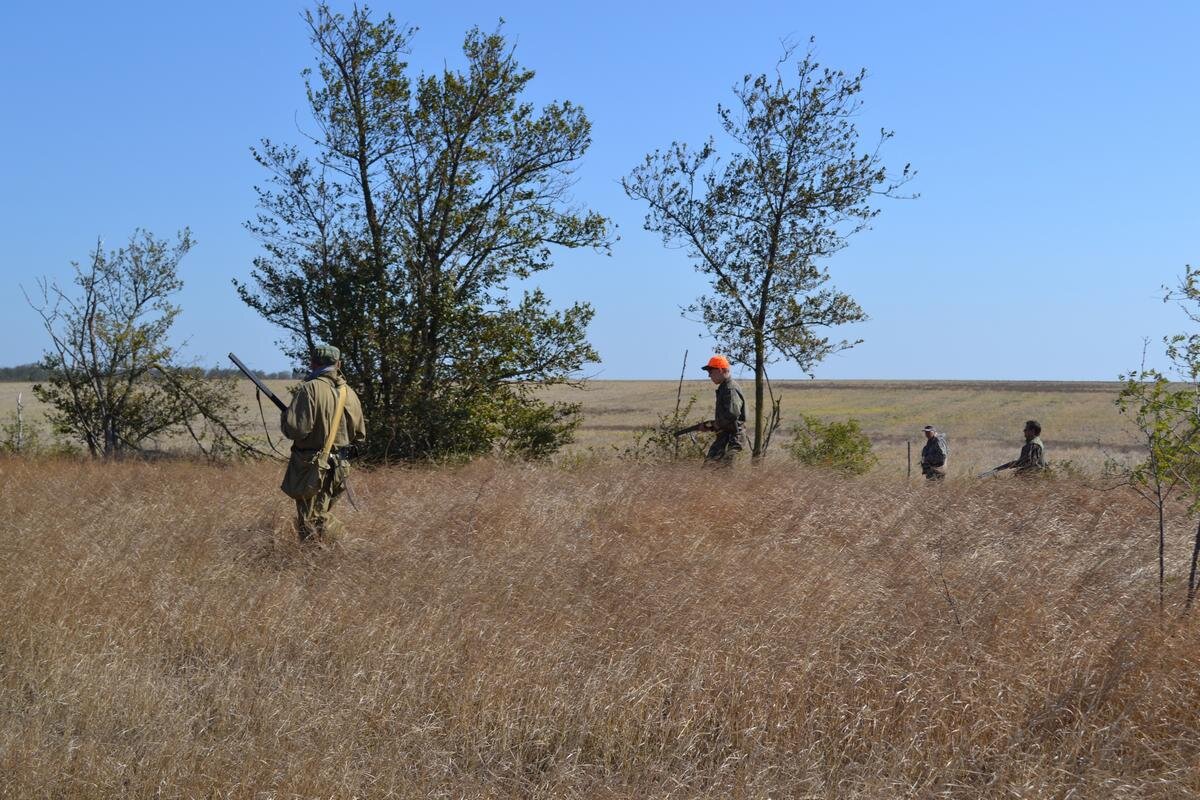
1056	146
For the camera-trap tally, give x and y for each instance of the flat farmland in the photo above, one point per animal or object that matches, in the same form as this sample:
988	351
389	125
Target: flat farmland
982	419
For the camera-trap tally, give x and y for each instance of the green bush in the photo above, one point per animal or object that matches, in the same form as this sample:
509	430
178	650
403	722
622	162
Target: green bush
840	446
34	439
658	442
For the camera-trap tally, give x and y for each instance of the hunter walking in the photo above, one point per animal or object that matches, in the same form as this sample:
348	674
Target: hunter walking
324	417
934	455
1033	453
730	420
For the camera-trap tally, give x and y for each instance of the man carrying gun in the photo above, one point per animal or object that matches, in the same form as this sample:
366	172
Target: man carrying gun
1032	459
324	417
730	421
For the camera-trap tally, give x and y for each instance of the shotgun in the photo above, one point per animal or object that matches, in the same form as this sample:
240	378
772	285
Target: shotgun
262	387
699	426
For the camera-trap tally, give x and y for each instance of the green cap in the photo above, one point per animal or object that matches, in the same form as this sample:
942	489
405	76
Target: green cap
326	355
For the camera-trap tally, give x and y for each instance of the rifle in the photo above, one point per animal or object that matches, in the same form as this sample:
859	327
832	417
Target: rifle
262	387
989	473
699	426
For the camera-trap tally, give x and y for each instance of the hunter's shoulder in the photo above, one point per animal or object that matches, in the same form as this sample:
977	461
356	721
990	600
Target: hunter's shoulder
321	387
313	383
304	387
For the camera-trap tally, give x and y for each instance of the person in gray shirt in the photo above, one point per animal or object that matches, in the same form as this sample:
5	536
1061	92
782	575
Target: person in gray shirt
934	455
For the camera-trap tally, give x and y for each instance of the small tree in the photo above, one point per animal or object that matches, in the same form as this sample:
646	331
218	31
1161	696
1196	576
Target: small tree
840	446
113	379
795	188
1164	419
1184	352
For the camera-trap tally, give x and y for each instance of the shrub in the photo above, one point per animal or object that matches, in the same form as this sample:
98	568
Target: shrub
33	439
659	443
840	446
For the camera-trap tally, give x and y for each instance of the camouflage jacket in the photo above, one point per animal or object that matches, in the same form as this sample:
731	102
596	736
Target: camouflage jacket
731	408
310	415
1032	458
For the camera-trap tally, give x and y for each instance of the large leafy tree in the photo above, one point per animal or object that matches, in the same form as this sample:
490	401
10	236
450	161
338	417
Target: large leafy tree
794	185
398	232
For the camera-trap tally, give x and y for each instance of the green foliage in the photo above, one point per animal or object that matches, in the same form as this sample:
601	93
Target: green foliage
1184	352
533	430
658	442
402	233
1067	468
21	438
34	439
113	382
839	446
791	189
1167	420
1165	416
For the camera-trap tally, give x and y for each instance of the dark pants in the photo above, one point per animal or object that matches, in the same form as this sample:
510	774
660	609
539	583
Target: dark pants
726	449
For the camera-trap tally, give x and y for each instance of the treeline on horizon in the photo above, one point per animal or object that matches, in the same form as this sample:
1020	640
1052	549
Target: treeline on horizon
33	373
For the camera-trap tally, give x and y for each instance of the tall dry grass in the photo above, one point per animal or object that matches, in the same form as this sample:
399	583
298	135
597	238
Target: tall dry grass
606	631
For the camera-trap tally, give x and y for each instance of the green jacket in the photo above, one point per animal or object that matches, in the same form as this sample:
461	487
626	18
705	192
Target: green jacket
308	418
731	408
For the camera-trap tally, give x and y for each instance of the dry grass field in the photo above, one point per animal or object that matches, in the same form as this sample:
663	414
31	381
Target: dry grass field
599	631
982	419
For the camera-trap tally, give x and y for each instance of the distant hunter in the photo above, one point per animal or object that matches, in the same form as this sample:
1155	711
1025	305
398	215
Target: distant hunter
730	419
934	455
323	420
1032	459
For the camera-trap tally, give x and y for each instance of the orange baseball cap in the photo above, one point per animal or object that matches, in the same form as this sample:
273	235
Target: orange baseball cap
716	362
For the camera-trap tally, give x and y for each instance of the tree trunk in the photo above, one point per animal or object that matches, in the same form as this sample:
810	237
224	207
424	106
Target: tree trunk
1162	541
760	375
1191	594
110	438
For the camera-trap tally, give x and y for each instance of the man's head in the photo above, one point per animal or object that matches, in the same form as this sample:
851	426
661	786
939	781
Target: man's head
717	369
1032	429
325	355
930	431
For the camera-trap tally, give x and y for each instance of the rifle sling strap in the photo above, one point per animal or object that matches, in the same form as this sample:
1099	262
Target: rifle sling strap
333	429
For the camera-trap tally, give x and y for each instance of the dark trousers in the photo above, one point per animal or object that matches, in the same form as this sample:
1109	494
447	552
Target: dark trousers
726	449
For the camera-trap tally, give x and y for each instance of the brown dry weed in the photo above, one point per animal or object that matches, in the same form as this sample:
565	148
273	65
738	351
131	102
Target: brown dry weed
604	631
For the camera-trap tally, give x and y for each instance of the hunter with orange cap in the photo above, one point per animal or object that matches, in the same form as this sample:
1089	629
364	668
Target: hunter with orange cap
730	422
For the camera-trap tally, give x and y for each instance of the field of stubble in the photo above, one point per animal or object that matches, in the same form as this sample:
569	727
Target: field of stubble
607	631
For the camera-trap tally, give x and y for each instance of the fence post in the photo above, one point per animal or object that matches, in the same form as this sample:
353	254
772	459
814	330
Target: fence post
20	421
909	443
